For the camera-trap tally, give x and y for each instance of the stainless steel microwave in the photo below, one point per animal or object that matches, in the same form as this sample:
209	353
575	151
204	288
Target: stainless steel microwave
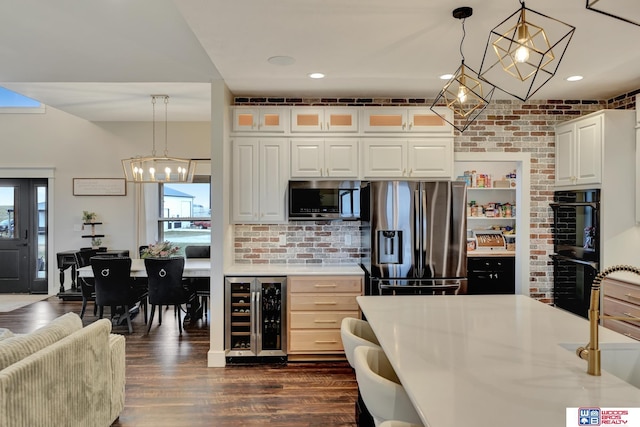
324	200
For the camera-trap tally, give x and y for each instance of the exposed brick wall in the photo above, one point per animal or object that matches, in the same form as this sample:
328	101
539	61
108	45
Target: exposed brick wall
306	242
505	125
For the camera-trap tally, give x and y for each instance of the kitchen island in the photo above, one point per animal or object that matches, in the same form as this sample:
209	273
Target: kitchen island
492	360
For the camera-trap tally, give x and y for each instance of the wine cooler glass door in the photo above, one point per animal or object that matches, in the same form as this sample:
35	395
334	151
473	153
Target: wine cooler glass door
270	327
240	337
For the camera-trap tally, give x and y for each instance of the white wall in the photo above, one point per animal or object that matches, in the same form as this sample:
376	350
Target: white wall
77	148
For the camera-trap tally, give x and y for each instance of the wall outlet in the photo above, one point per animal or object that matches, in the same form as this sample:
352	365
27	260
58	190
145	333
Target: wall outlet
77	227
347	239
282	240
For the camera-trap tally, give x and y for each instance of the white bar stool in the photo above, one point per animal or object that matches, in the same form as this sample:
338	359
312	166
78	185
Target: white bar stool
381	390
355	332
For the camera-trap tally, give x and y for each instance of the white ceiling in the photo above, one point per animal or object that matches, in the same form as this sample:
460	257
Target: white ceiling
102	59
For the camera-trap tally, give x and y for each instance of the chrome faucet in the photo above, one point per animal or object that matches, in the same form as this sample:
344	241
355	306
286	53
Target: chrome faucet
591	352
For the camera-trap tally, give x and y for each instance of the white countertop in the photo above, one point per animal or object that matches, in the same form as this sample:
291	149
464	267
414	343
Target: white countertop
293	270
193	267
491	360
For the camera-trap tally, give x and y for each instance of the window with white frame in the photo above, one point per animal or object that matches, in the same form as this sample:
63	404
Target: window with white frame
185	212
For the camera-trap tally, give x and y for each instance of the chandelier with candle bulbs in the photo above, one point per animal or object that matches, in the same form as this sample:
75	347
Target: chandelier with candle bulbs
158	169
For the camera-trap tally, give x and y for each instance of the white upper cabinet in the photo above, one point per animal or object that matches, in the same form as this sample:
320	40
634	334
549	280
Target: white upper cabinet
259	119
322	158
260	178
313	119
430	158
399	120
594	150
578	152
415	158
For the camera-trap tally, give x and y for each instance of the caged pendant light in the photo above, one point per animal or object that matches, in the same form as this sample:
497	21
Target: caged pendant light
463	93
158	169
624	10
522	56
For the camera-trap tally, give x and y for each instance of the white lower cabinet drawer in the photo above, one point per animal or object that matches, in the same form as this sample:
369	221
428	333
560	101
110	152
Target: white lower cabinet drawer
315	341
319	320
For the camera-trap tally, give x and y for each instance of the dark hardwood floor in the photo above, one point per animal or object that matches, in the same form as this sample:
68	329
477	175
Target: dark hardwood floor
169	383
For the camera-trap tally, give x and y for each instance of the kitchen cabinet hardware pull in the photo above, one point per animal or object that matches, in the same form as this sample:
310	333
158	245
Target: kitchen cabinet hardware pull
326	342
324	321
410	125
332	285
325	303
404	126
631	316
404	171
632	296
327	171
327	125
410	171
627	334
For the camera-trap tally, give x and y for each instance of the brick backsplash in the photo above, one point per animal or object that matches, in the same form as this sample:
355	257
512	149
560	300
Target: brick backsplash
305	242
504	126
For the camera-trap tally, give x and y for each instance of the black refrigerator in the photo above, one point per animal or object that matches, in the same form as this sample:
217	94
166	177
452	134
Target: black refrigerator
414	237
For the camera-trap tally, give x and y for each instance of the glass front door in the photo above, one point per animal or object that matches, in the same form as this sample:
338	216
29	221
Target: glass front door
23	236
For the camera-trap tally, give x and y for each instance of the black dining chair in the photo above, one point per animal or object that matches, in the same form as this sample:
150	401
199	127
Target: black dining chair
166	286
87	285
115	286
202	285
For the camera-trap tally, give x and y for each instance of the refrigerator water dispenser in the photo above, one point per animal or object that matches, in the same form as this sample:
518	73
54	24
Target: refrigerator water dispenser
389	247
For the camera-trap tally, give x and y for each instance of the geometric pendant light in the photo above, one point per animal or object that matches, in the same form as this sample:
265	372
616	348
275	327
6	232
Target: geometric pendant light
627	10
463	93
158	169
524	52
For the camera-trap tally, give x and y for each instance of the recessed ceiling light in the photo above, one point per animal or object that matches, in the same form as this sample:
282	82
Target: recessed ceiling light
446	76
281	60
574	78
316	75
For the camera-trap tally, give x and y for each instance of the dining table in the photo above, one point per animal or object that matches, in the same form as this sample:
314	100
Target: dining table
492	360
193	267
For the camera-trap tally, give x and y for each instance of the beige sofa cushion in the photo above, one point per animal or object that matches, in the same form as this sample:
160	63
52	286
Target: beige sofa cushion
18	347
69	383
5	333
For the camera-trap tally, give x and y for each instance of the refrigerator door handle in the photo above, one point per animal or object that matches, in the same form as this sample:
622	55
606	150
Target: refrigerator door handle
423	232
417	231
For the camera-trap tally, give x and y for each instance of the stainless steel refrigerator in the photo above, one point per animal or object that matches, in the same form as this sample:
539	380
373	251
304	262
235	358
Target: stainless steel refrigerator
414	237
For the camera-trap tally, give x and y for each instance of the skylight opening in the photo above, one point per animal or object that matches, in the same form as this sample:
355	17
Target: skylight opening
12	102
